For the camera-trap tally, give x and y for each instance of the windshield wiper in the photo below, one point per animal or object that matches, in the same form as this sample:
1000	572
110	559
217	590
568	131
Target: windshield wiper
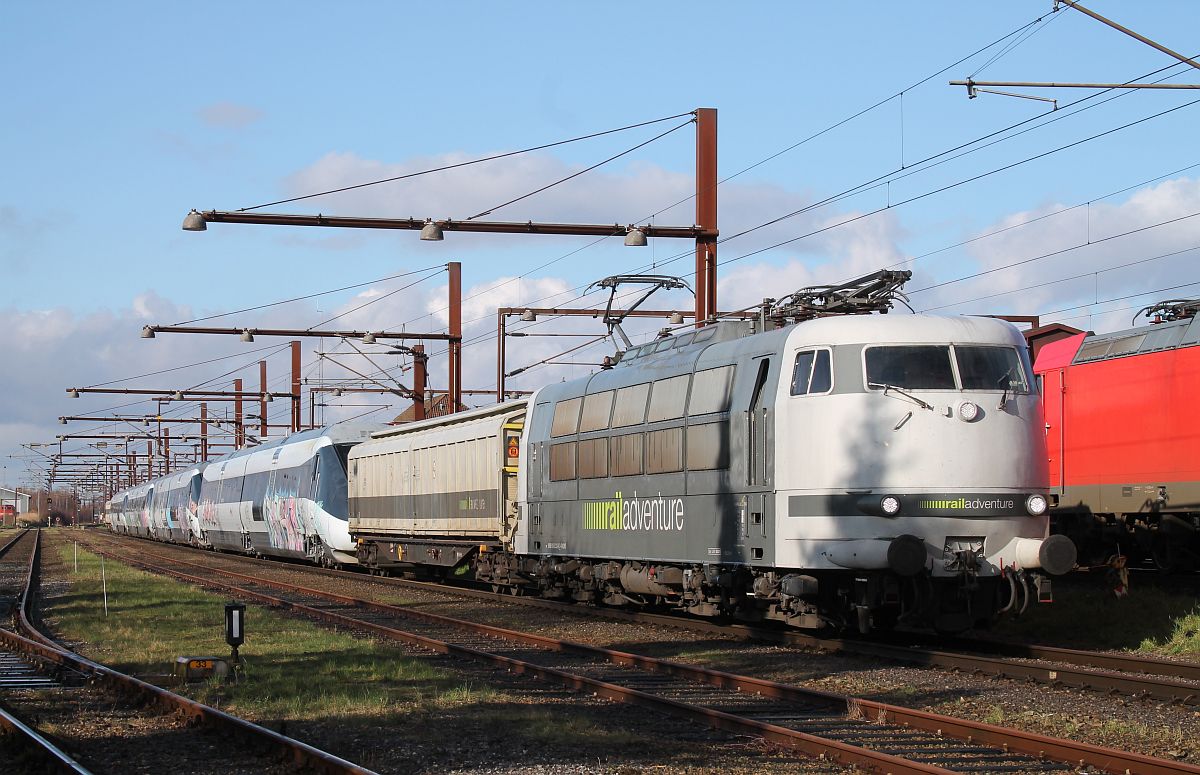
886	388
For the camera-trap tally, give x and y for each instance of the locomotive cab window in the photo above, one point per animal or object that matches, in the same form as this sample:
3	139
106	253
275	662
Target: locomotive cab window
990	368
917	367
812	373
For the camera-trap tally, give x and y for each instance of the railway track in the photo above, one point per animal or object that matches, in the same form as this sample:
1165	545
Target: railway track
252	743
850	731
1103	672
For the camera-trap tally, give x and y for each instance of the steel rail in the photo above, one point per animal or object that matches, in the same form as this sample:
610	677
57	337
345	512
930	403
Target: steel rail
815	746
12	542
1009	740
993	658
36	644
56	757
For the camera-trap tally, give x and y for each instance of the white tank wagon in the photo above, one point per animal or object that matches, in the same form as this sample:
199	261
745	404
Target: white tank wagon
855	469
438	492
285	498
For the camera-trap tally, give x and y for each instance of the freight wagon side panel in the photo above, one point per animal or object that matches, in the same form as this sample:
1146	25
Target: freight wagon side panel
434	480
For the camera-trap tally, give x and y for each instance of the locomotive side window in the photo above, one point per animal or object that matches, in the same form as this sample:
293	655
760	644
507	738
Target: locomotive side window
669	397
562	461
708	446
812	373
711	391
990	368
596	409
566	417
593	458
664	451
918	367
625	455
631	406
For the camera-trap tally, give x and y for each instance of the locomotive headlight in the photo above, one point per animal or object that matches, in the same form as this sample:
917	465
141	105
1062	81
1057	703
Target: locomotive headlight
968	411
1036	505
890	505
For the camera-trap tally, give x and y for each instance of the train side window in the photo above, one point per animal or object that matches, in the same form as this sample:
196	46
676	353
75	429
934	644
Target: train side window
711	391
593	458
669	397
664	451
625	455
704	334
812	373
918	367
562	461
566	417
596	409
708	446
630	406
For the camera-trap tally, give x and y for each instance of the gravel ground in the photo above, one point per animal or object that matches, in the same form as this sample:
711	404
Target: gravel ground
1147	727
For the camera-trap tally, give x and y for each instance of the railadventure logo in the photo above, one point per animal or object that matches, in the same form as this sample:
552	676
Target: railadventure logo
965	504
657	513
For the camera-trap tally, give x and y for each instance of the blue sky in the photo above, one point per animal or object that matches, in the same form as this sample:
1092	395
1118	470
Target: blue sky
122	117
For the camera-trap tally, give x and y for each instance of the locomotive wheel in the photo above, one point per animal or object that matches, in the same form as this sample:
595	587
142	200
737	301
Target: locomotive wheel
1169	556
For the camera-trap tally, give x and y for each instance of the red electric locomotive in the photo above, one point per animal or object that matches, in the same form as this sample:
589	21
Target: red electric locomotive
1123	435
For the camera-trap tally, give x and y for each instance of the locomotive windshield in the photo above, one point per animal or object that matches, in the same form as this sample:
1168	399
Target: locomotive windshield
932	367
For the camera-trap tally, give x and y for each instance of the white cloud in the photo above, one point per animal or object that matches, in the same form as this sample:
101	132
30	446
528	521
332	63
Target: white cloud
231	115
1084	244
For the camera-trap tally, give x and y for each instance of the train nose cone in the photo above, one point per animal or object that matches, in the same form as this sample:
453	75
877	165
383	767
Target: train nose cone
906	555
1057	555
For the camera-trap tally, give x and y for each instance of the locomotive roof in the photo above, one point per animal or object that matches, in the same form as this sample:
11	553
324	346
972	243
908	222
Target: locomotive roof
1152	337
696	350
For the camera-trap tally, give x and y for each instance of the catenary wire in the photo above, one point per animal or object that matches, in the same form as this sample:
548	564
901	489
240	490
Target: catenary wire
466	163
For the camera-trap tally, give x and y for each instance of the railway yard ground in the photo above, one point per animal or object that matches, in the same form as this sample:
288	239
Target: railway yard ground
396	708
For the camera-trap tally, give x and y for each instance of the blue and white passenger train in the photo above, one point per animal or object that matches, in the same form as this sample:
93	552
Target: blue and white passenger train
855	471
285	498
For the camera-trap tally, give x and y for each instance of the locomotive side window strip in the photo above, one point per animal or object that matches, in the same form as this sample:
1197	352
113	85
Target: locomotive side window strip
664	451
596	410
669	397
812	373
708	446
712	391
630	406
593	458
562	461
566	417
625	455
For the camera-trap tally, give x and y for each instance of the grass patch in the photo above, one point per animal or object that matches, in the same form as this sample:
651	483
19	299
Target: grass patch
1084	614
294	669
311	678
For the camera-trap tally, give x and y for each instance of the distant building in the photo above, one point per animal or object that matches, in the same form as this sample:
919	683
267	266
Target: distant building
1040	336
10	497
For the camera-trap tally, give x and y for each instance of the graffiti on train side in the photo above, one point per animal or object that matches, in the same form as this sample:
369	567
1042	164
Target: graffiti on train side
288	517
